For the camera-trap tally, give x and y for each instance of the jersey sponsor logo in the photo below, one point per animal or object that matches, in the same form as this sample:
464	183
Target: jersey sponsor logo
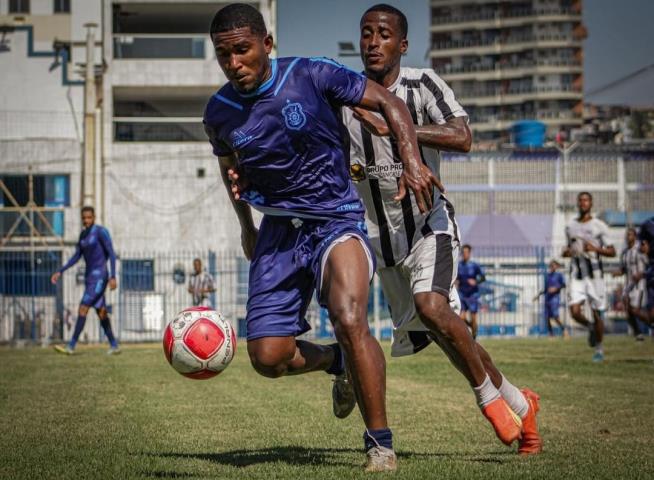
389	170
294	116
239	138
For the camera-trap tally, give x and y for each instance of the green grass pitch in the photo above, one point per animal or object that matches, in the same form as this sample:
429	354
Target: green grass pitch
132	416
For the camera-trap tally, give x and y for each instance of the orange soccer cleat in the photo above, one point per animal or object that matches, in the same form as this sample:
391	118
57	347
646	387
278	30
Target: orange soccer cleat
530	442
506	423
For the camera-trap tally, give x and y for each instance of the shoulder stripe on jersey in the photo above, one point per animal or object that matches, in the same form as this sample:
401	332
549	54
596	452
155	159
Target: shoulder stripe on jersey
332	62
283	80
384	234
265	85
229	102
410	82
438	95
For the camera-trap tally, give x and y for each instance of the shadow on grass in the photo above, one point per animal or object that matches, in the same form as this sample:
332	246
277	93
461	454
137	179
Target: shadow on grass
296	455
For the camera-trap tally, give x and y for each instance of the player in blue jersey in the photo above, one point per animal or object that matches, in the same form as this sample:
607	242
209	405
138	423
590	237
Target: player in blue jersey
554	283
94	245
469	276
278	122
646	236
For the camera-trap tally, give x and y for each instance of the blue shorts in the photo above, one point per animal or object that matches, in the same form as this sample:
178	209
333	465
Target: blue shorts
552	309
470	304
94	288
650	288
287	268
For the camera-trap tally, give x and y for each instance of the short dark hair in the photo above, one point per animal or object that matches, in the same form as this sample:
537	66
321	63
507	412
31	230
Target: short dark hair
466	245
88	208
581	194
385	8
238	15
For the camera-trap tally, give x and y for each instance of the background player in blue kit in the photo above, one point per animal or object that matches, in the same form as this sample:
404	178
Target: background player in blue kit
95	246
469	276
554	283
646	236
278	122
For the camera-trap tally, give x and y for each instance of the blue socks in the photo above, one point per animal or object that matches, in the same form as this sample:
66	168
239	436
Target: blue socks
382	438
106	326
338	365
79	326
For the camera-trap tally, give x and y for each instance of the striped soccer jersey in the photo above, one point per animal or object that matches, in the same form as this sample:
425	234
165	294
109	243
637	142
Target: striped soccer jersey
586	264
375	167
633	262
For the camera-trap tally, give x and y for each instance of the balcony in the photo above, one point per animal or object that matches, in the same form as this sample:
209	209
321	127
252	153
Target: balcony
498	96
514	43
166	46
504	121
498	19
498	71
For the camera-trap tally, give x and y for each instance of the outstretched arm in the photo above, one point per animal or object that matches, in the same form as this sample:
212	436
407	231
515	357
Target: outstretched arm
416	176
71	261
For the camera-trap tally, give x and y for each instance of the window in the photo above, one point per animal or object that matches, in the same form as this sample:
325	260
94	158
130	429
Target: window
27	273
19	6
47	191
137	275
61	6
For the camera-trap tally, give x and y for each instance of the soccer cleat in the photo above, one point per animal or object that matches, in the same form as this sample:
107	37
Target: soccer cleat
114	351
343	397
65	350
506	423
530	442
598	356
380	459
640	337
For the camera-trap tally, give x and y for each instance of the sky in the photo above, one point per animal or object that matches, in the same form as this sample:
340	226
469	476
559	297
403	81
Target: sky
620	33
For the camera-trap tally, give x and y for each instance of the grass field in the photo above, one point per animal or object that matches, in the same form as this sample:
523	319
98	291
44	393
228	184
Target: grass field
132	416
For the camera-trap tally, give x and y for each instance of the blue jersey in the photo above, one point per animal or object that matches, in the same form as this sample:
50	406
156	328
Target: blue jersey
95	246
647	234
554	280
469	270
289	140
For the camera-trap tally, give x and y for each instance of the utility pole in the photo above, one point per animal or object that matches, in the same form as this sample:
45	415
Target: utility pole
88	159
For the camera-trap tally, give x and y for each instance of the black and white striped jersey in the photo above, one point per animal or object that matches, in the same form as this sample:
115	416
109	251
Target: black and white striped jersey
375	168
633	262
586	264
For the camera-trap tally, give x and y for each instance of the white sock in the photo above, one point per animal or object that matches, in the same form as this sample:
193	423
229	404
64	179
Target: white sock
598	348
486	392
514	398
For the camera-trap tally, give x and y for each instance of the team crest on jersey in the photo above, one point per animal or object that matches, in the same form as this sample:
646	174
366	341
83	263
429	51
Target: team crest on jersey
357	172
294	115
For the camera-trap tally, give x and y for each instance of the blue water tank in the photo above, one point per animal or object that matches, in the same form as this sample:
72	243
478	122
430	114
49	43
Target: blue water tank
528	133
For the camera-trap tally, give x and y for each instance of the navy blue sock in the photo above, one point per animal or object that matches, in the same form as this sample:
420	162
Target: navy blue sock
338	365
382	437
106	326
79	326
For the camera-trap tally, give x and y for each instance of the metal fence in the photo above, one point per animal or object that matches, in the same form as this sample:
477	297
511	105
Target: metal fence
152	288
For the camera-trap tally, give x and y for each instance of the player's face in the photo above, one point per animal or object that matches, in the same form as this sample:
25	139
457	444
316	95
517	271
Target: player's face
631	237
197	266
243	57
381	42
88	218
465	254
584	203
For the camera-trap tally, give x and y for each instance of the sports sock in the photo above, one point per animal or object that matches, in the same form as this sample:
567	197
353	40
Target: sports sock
598	348
378	438
338	365
486	392
106	326
79	326
514	397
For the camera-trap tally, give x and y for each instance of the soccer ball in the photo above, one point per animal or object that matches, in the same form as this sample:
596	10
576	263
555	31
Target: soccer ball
199	343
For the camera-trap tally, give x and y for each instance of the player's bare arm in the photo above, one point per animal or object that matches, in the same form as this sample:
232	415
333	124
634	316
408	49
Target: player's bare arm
248	231
454	135
416	176
608	251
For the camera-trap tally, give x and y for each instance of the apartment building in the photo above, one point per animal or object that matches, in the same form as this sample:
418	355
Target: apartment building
511	60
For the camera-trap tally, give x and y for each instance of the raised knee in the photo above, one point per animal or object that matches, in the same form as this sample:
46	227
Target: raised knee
350	324
269	363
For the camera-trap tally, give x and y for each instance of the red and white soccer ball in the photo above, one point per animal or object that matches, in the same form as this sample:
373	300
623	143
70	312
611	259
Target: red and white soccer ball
199	343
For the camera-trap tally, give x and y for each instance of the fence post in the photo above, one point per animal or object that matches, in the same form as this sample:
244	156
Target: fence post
212	271
542	272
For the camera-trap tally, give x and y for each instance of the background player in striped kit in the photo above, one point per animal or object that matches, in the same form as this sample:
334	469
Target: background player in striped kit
95	247
554	283
587	244
633	264
200	284
416	252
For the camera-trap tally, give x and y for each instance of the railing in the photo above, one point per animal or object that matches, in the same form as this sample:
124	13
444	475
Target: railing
485	42
159	129
163	46
517	90
499	67
499	15
509	116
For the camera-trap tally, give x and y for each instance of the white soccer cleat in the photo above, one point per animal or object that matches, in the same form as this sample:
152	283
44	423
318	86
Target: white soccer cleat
64	350
343	397
381	459
114	351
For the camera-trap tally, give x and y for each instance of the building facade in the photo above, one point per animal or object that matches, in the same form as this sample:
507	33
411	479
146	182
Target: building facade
511	60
